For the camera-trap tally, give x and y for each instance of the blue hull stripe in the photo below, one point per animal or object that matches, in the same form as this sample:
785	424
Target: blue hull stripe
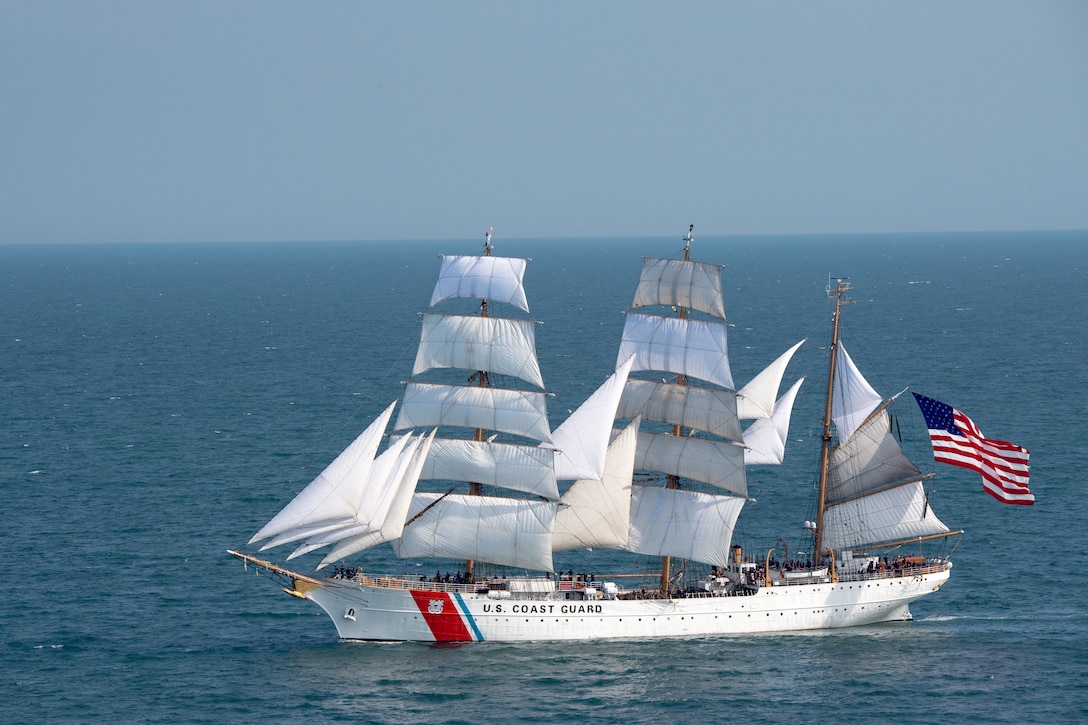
468	617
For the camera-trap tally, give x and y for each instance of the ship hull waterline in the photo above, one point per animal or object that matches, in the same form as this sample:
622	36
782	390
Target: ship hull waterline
365	612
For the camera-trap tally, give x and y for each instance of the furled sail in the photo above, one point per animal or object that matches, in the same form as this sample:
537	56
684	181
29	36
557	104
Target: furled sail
757	399
696	348
494	344
483	278
334	494
597	513
765	439
680	283
506	531
685	524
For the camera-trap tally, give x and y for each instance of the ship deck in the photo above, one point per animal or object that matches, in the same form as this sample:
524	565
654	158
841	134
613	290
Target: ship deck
778	578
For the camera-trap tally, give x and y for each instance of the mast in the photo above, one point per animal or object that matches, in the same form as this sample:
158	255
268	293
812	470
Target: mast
839	295
673	481
481	379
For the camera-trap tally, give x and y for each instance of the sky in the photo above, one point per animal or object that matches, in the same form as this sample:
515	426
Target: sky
266	121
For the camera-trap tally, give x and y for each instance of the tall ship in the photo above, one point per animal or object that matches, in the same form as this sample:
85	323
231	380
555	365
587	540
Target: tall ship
652	466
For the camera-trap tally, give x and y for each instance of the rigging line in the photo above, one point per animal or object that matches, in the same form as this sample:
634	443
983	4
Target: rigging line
387	379
324	454
428	507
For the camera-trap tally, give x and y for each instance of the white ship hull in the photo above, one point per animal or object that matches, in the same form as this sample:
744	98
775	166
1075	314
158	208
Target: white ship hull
871	499
367	611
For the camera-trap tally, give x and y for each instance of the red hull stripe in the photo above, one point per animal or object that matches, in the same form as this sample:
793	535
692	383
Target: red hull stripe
442	616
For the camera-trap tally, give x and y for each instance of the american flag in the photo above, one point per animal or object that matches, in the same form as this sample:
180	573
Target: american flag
958	441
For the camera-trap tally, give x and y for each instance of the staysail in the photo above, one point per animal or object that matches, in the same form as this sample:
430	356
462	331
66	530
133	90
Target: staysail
597	513
333	496
392	503
582	440
757	399
765	439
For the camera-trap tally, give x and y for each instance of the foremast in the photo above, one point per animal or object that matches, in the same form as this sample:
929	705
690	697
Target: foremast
492	433
838	294
474	488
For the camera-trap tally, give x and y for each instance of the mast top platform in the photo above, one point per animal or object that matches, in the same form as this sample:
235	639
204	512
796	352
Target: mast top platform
838	292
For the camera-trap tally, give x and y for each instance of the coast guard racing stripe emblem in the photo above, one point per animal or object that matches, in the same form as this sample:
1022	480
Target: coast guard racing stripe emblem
443	617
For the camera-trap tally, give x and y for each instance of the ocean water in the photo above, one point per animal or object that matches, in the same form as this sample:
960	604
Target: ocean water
162	402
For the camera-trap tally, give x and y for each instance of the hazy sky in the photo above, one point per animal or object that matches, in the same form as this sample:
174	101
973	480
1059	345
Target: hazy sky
156	121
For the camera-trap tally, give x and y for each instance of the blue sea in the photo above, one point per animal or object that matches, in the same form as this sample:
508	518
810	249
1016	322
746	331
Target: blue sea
162	402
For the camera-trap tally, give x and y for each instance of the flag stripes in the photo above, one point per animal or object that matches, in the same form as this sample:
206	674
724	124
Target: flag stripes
958	441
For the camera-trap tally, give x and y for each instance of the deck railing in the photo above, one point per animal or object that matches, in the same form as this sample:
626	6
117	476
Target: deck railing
424	585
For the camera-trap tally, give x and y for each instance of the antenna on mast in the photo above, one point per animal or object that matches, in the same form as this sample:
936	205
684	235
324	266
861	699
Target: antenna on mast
842	286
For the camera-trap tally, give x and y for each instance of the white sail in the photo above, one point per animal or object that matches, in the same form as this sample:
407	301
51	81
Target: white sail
386	478
757	399
581	441
716	463
382	477
494	344
685	524
704	409
393	525
765	439
870	460
311	531
853	399
520	412
695	348
597	513
680	283
893	515
483	278
516	467
512	532
335	493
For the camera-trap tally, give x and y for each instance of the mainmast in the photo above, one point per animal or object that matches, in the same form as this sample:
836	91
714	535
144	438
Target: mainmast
481	379
673	481
839	295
